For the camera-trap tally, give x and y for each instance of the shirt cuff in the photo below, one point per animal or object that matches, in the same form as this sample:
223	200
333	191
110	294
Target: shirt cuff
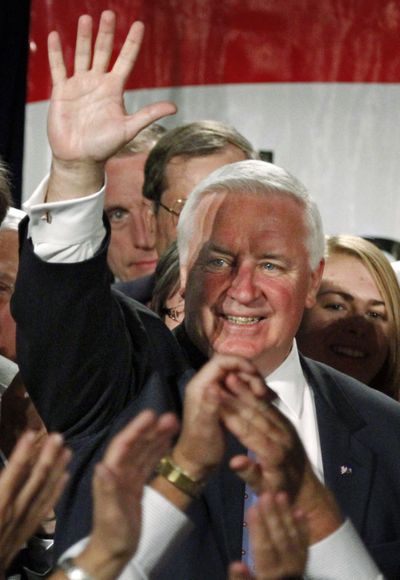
8	371
65	231
164	526
341	556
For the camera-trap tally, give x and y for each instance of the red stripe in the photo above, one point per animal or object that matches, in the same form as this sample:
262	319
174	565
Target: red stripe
197	42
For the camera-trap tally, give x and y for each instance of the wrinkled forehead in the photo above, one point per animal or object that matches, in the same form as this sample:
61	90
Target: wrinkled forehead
237	219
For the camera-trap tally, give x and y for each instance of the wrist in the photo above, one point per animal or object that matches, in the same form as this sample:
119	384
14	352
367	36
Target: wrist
74	179
196	470
100	563
180	478
320	507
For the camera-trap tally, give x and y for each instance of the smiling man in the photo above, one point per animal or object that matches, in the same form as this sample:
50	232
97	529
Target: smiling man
251	251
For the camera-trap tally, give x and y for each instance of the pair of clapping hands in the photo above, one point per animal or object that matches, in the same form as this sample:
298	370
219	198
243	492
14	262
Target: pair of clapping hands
30	488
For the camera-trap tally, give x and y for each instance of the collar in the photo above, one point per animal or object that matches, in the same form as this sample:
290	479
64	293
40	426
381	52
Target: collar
288	382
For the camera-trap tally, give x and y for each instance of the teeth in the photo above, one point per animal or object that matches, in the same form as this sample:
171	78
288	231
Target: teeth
243	319
347	351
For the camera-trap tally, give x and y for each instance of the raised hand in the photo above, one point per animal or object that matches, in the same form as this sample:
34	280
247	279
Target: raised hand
117	489
28	493
281	463
202	442
280	456
87	120
279	541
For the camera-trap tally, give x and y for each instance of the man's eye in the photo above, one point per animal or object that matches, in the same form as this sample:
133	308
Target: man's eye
217	263
116	215
269	266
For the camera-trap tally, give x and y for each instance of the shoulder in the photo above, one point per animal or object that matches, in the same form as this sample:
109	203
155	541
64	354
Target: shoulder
338	389
140	289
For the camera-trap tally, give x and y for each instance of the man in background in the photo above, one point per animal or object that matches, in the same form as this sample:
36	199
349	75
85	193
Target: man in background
132	252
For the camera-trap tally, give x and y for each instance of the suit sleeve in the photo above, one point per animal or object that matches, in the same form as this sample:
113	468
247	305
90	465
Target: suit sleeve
74	350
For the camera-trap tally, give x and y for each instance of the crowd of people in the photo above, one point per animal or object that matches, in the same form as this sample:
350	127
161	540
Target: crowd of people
258	440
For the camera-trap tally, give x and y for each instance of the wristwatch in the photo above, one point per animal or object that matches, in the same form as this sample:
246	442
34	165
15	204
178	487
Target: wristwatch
179	478
72	571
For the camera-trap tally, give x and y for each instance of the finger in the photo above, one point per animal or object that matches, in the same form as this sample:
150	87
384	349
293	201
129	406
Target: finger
261	519
294	523
145	116
239	571
83	48
218	368
45	474
13	476
129	51
104	42
254	384
122	442
56	60
249	471
135	452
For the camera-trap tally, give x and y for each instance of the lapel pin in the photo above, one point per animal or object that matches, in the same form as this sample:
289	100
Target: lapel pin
345	470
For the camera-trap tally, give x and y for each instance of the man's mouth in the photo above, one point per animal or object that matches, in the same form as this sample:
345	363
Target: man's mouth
243	320
348	351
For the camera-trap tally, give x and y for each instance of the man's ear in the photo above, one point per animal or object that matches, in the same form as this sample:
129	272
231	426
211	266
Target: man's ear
315	282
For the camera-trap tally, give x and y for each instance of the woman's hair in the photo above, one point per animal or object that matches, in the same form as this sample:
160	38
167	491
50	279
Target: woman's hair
388	378
167	279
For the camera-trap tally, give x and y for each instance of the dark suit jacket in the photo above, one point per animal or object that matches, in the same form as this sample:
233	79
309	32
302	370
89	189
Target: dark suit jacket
359	431
91	359
140	289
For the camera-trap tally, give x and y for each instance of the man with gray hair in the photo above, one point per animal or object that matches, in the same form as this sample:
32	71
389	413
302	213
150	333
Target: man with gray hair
251	251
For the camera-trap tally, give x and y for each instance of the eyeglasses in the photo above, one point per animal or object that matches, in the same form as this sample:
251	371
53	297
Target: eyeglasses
175	314
176	209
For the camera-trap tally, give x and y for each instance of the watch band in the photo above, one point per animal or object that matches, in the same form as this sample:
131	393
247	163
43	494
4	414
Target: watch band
179	477
72	571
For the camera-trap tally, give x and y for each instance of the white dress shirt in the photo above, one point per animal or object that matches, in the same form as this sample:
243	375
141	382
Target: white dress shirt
72	231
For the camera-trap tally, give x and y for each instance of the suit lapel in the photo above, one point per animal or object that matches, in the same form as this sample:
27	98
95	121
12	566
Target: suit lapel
348	465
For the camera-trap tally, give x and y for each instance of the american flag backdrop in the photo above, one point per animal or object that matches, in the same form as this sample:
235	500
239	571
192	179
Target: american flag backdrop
314	81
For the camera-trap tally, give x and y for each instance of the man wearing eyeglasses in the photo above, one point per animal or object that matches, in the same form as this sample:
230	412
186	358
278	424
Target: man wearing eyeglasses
176	164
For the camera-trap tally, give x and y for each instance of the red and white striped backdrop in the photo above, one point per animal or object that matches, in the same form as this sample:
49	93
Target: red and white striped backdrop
315	81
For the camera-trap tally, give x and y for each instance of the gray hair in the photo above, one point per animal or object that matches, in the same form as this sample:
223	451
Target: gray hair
252	177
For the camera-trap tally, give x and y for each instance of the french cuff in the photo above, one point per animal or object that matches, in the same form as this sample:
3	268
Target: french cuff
8	371
164	526
341	556
67	231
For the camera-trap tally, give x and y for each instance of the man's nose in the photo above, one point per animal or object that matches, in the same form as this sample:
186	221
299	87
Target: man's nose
244	286
142	234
